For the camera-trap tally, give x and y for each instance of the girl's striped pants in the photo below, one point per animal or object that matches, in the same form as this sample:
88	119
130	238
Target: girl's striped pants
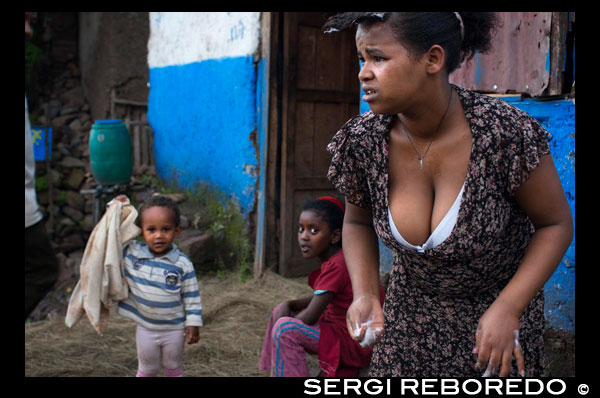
287	341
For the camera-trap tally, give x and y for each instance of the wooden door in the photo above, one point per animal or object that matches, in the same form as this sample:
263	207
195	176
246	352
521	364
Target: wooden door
320	93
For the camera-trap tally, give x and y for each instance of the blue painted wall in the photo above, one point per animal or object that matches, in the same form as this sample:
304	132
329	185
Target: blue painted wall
558	118
203	115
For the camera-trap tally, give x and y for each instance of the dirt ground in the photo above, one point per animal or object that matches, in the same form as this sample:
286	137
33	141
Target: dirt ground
235	318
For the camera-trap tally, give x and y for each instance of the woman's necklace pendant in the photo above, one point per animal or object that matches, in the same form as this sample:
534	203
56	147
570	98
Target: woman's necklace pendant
431	140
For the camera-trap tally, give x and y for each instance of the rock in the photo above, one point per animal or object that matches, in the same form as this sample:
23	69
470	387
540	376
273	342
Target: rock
53	109
71	243
76	149
73	214
74	260
69	111
70	161
62	260
63	149
64	226
66	222
89	182
42	120
58	196
57	157
65	268
73	98
88	223
75	200
72	83
64	119
141	196
184	222
88	207
75	179
84	118
75	125
176	197
55	177
199	248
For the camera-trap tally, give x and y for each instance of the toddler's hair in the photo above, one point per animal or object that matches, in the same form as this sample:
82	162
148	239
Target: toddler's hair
330	209
160	201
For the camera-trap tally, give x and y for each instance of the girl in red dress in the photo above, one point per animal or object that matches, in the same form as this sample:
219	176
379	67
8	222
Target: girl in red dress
317	324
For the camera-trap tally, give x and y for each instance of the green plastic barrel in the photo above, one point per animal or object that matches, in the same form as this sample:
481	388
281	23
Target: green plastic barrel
110	152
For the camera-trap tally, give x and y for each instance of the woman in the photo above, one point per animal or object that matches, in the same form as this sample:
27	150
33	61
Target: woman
461	186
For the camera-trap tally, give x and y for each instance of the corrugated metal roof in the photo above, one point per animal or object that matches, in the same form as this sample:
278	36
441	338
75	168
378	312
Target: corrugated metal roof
519	61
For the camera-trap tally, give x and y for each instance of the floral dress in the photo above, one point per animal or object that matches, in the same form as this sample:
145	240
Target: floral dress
434	299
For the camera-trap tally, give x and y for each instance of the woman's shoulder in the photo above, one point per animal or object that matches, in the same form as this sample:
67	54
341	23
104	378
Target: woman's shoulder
501	118
361	132
368	123
486	106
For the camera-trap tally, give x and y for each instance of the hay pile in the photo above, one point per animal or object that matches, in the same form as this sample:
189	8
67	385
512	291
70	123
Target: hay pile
235	318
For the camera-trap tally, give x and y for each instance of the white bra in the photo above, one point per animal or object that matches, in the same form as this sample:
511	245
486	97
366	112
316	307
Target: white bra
441	232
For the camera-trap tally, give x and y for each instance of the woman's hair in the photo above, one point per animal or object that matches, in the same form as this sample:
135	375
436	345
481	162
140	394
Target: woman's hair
160	201
328	208
418	31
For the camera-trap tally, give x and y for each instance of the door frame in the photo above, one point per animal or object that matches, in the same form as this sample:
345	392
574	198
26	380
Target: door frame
279	160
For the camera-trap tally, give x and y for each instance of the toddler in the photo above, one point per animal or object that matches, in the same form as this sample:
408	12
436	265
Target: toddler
317	324
163	298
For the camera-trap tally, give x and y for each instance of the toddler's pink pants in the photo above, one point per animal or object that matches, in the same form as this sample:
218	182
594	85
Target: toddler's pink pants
154	345
286	343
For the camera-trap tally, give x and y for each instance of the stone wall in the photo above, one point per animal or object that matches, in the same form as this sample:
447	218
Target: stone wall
59	182
59	100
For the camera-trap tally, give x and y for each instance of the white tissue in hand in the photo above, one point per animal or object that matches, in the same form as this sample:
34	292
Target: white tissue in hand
370	335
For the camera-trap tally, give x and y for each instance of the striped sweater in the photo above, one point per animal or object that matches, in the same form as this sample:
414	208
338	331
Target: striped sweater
163	291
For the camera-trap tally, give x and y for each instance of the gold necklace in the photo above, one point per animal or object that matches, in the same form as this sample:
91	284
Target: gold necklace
431	140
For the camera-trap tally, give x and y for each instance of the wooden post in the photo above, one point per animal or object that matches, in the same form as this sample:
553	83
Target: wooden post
558	32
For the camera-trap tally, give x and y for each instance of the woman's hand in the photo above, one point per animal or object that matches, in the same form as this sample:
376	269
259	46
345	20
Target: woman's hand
364	320
497	340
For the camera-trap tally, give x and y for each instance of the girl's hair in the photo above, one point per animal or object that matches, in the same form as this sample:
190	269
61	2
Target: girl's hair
160	201
418	31
330	209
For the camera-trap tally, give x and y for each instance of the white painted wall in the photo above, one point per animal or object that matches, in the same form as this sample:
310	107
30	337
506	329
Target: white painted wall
179	38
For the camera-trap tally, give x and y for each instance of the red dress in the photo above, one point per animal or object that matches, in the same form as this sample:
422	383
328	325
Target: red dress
339	355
